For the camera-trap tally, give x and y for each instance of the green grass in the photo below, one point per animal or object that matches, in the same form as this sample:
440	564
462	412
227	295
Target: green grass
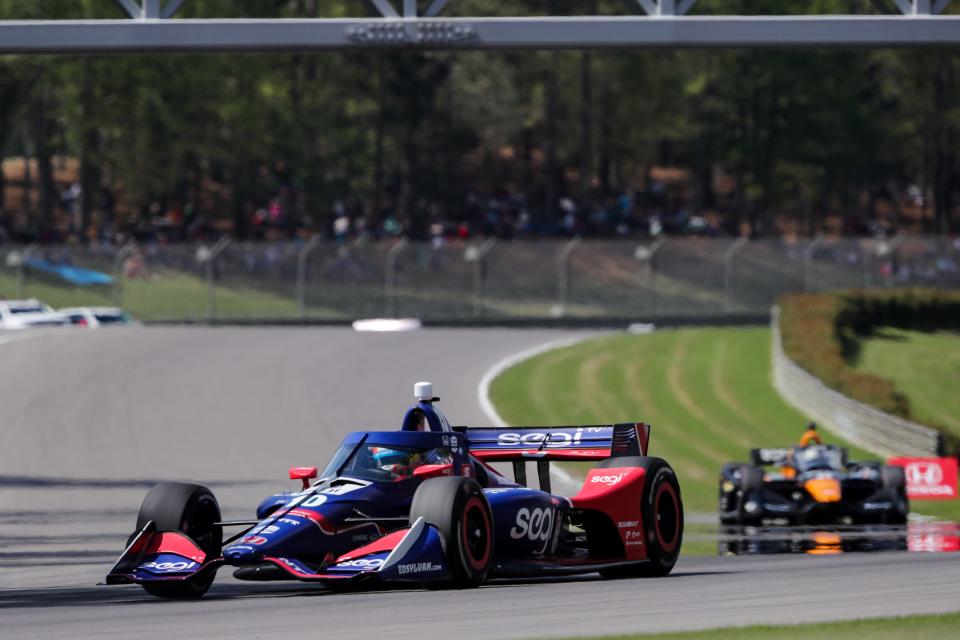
924	366
932	627
707	393
165	295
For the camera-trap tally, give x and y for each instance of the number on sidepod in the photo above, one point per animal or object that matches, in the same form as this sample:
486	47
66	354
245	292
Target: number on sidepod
661	509
190	509
458	509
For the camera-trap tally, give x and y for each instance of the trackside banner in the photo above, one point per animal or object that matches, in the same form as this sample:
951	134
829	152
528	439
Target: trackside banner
929	478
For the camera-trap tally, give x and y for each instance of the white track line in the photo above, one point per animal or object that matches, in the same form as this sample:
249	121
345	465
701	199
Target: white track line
568	484
483	391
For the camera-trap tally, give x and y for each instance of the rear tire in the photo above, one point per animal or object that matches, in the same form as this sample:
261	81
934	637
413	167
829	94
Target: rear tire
895	481
190	509
661	509
459	510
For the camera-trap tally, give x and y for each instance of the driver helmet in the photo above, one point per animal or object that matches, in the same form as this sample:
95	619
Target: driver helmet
394	460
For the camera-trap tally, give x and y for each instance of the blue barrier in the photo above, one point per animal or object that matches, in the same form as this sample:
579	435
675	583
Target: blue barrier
73	275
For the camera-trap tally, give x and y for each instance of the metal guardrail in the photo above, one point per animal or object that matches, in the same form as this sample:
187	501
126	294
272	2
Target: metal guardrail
861	424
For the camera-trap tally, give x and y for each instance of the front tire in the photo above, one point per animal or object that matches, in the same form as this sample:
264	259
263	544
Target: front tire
459	510
190	509
661	509
751	483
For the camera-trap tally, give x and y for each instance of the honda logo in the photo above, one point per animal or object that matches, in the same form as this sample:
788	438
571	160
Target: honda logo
929	478
924	473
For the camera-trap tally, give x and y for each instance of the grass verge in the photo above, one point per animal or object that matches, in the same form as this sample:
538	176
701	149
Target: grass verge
923	366
927	627
706	392
166	295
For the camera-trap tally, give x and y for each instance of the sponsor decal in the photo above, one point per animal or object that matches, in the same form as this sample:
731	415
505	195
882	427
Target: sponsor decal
290	521
772	455
777	507
466	471
929	478
362	563
254	540
265	529
628	524
309	515
611	480
168	567
536	525
555	439
418	567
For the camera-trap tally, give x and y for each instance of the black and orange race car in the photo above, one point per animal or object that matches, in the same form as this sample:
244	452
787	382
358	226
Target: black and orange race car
815	484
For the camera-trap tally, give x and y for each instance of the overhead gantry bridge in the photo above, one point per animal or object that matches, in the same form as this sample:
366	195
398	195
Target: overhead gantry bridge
154	25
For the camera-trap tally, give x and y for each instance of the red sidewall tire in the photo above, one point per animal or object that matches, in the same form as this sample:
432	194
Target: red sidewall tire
459	510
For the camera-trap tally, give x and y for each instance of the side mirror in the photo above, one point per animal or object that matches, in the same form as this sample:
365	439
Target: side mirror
433	471
304	474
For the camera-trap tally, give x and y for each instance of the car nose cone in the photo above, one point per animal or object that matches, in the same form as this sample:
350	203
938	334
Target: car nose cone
823	489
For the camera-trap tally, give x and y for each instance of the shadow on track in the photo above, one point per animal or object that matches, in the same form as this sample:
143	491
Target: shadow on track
101	595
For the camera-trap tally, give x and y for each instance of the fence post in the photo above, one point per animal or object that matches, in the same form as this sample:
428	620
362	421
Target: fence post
122	255
207	256
476	255
885	248
302	256
647	254
18	260
868	253
727	271
808	258
390	277
563	276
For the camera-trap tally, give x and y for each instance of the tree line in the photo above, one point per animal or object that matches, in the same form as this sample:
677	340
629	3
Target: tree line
756	136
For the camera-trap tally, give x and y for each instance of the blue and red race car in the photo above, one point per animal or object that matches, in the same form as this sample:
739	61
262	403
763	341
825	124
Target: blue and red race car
424	505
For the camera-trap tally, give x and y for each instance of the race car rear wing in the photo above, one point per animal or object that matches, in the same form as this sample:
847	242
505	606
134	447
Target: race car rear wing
543	444
588	442
769	456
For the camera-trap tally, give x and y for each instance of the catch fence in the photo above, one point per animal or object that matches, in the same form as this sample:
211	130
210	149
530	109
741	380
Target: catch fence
482	280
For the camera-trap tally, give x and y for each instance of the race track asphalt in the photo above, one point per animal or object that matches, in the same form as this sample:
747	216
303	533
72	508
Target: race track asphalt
90	419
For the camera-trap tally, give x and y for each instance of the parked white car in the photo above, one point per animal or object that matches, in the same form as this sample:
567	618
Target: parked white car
93	317
24	314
